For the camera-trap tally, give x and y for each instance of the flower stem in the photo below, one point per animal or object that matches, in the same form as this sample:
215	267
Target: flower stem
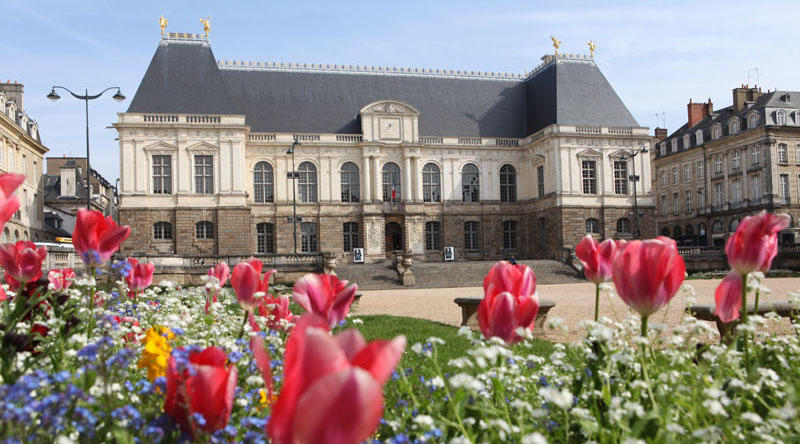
743	333
755	307
596	302
644	326
246	314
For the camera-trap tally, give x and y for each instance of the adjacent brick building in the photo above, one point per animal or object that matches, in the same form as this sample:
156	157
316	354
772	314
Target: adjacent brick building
389	158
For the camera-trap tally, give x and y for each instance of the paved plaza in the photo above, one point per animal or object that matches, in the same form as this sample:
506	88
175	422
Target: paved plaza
574	302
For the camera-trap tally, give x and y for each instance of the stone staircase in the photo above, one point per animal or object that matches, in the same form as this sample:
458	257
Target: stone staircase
382	276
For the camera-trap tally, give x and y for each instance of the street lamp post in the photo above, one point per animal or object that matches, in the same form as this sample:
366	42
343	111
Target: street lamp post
86	97
634	178
293	175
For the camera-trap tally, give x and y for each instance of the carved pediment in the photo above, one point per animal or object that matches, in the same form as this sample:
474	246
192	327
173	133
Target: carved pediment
160	146
618	154
202	146
389	107
589	153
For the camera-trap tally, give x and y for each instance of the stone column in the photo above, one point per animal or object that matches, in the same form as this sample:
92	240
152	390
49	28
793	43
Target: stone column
376	184
367	195
418	179
407	188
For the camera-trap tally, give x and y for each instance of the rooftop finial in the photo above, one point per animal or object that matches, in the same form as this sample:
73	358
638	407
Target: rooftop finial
592	46
556	43
162	22
206	21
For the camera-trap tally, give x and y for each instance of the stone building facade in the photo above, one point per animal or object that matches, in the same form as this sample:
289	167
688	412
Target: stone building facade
21	152
723	165
388	159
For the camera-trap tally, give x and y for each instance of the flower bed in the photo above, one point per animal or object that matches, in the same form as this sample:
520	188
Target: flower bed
107	357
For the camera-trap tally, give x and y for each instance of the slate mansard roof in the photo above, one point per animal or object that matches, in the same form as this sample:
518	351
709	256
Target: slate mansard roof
184	77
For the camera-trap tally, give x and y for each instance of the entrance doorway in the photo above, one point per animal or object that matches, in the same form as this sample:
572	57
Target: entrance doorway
394	237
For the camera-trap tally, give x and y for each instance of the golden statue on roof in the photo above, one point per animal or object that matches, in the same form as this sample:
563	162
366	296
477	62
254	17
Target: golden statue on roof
206	21
592	46
162	22
556	43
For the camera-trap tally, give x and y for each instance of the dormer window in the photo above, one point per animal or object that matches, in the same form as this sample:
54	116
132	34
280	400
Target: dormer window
686	142
662	149
733	127
674	145
780	118
716	132
699	137
753	121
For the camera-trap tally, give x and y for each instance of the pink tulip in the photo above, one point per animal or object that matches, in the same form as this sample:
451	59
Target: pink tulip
501	314
205	385
755	243
518	280
97	237
728	297
276	308
332	391
221	271
247	281
648	273
596	258
22	262
9	204
140	276
324	295
61	278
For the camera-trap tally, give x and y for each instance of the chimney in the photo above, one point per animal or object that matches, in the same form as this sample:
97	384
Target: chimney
698	111
661	134
744	94
14	91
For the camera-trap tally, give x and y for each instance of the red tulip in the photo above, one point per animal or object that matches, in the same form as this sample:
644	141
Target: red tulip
206	389
221	271
61	278
755	242
332	391
518	280
140	276
246	281
22	262
648	273
596	258
274	308
728	297
500	314
9	204
97	237
130	336
324	295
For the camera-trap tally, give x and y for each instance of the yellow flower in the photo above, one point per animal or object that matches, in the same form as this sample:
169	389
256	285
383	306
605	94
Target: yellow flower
265	400
156	352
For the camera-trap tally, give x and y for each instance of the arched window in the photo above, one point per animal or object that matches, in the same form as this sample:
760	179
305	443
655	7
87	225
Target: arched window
470	184
592	226
471	240
16	236
780	118
509	235
676	233
431	183
623	225
701	229
733	225
508	184
308	237
753	121
716	132
717	227
391	182
350	236
733	127
665	231
307	182
350	183
162	230
265	238
432	235
204	230
689	231
262	183
699	137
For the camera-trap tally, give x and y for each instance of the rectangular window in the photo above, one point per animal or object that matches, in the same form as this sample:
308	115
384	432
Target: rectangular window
701	199
620	177
350	236
204	230
687	172
736	191
717	164
701	169
755	188
540	180
471	236
736	160
162	231
510	235
675	176
265	238
664	209
204	174
785	197
676	203
783	155
688	201
663	179
589	174
432	236
719	195
162	174
755	156
308	237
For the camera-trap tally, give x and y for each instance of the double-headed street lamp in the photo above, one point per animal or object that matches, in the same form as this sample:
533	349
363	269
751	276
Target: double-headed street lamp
293	175
634	178
86	97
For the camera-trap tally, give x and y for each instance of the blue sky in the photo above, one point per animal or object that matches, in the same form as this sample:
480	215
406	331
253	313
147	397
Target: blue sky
656	54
